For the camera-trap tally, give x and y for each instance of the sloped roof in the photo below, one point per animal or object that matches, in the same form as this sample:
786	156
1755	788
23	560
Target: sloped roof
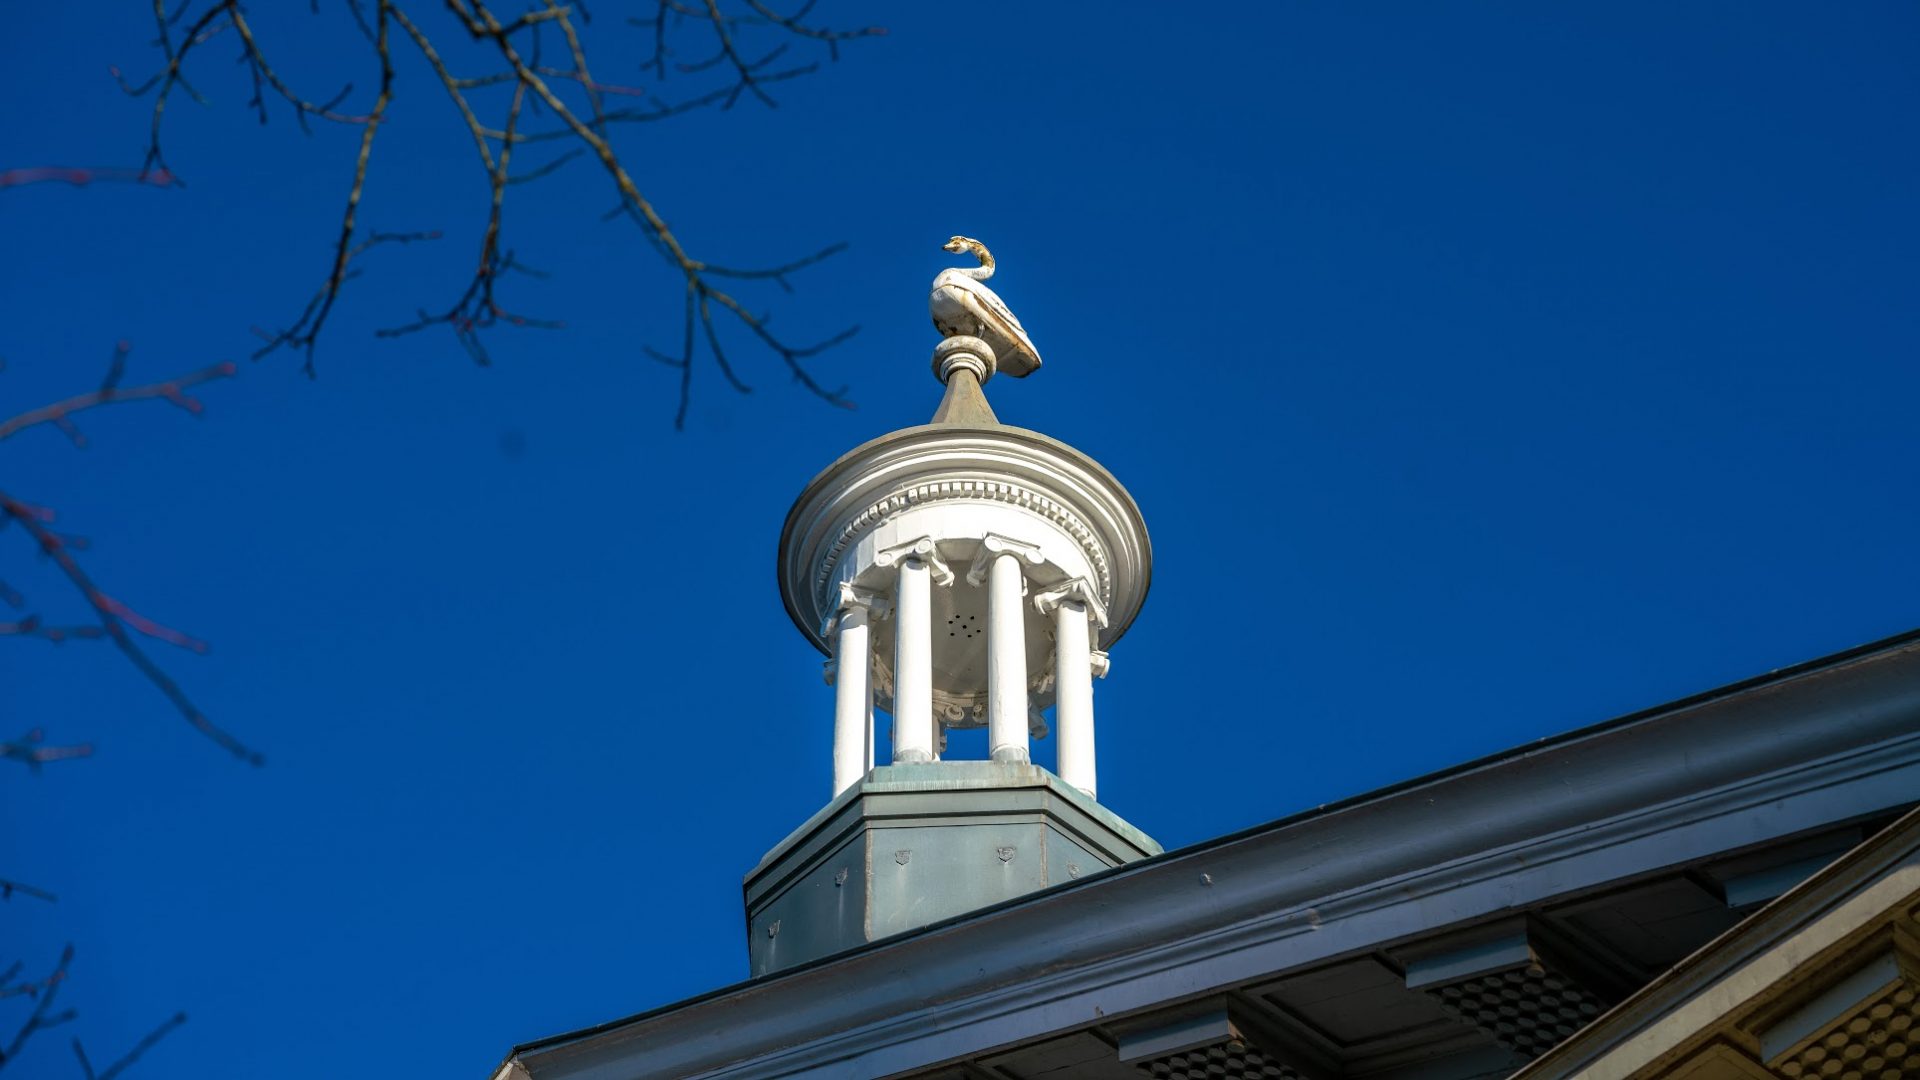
1718	776
1760	995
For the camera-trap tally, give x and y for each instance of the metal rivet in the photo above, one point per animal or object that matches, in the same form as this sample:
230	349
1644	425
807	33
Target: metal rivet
1206	879
902	856
773	928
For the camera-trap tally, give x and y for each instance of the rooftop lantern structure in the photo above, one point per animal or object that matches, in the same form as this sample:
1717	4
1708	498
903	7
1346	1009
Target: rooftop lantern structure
958	574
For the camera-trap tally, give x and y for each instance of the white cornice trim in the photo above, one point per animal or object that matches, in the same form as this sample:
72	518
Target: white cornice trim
931	465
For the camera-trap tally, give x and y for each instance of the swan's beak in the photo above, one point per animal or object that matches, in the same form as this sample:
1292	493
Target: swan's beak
951	245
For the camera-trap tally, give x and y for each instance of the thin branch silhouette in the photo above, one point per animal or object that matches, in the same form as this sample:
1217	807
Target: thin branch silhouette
41	1017
546	102
145	1044
81	176
30	750
113	619
44	992
9	888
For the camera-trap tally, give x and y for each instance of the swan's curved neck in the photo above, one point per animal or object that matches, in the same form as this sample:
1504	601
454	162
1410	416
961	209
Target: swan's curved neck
985	269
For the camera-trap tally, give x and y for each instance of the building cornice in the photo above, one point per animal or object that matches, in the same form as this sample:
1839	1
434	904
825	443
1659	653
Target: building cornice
942	463
1824	743
1789	935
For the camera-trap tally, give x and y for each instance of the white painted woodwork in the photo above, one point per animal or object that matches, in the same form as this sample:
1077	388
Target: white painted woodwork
951	528
913	734
1073	694
852	700
1006	660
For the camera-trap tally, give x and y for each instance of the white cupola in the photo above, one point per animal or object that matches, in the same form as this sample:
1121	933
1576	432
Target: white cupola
958	574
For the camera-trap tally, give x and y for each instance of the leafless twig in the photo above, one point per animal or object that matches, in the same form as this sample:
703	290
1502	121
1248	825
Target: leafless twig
7	889
60	413
538	89
115	620
145	1044
43	993
477	309
703	296
42	1017
305	334
29	751
82	176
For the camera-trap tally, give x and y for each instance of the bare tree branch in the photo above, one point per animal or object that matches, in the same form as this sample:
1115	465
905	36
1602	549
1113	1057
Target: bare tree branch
703	295
114	619
42	1017
82	176
43	992
222	16
535	93
59	413
7	889
477	309
145	1044
305	334
33	989
27	750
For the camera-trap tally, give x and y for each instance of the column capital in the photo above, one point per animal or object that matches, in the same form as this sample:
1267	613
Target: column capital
1100	663
1079	590
992	547
921	549
851	599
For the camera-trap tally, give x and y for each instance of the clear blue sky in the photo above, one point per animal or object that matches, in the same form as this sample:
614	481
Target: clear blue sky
1484	371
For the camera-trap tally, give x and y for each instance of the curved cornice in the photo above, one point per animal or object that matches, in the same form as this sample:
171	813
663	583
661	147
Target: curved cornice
980	489
939	462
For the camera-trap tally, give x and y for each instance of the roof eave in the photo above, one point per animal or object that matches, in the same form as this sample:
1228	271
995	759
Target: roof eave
1843	738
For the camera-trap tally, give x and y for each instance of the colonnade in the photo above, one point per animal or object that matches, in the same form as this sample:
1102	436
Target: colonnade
1072	608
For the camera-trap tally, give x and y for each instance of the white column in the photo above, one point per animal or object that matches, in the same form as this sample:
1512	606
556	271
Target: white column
852	699
1073	694
913	664
866	723
1006	661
